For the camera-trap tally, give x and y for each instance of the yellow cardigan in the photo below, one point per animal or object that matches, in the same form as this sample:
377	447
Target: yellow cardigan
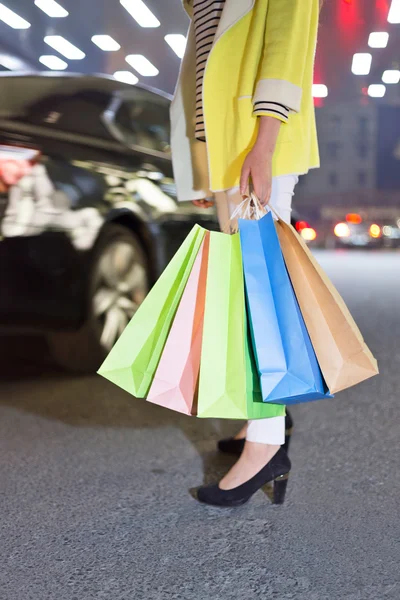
262	49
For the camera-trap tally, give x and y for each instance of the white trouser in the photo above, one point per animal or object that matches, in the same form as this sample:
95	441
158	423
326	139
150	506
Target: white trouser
263	431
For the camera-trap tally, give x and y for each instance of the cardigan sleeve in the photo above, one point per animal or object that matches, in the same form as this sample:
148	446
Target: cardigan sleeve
271	109
289	28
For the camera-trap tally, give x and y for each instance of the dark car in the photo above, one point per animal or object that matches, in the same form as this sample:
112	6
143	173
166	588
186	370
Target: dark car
88	210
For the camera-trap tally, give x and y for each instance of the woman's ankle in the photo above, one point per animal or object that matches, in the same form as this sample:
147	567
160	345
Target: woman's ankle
242	433
256	452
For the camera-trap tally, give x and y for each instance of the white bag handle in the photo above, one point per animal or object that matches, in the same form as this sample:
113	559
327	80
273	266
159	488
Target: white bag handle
250	208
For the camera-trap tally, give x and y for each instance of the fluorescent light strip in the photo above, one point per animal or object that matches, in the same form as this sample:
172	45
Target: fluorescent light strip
52	8
361	63
142	65
64	47
319	90
12	63
11	18
378	39
106	43
394	12
53	62
376	90
139	11
177	42
391	76
126	77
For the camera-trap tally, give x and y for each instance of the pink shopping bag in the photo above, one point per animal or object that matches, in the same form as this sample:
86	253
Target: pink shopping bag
175	382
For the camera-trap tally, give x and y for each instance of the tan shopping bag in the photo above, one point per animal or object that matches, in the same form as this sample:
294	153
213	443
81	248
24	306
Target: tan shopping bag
344	357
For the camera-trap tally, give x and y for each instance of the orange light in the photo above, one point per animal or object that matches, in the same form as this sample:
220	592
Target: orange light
309	234
375	231
342	230
354	218
300	225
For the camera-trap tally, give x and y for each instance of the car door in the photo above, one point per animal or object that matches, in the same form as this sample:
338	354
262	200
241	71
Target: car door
140	119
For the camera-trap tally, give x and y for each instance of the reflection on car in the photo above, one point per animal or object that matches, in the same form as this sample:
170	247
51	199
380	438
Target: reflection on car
88	210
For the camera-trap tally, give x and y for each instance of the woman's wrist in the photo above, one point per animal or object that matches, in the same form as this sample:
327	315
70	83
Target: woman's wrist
267	136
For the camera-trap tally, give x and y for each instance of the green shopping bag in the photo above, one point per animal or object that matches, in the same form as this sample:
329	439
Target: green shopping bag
133	360
228	384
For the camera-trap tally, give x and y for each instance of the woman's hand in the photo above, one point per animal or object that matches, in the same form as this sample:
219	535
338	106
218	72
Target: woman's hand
203	203
258	166
258	162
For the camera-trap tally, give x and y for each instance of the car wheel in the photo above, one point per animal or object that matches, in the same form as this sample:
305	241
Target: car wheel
119	281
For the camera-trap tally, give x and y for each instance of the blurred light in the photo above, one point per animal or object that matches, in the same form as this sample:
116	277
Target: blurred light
394	12
53	62
12	62
301	225
64	47
387	230
398	223
11	18
342	230
375	231
18	152
319	90
51	8
106	43
354	218
361	63
142	65
391	76
139	11
308	234
126	77
177	41
376	90
378	39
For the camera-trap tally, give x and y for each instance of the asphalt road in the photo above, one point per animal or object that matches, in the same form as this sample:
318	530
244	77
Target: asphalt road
95	496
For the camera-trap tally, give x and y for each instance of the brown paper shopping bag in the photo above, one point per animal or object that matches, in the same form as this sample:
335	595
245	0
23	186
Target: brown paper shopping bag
344	357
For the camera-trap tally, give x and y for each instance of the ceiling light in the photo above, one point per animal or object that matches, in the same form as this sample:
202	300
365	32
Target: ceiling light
139	11
391	76
177	41
378	39
361	63
12	63
106	43
376	90
126	77
53	62
11	18
52	8
142	65
394	12
64	47
319	90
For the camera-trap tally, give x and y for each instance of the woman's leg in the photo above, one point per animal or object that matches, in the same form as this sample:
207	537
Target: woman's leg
263	436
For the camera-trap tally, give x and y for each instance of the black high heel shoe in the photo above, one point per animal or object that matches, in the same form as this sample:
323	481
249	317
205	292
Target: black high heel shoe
277	470
235	446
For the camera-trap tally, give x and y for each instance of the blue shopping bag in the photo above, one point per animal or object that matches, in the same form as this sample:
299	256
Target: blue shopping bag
286	361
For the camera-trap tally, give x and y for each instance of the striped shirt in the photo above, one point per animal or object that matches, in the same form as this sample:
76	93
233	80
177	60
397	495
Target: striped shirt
206	17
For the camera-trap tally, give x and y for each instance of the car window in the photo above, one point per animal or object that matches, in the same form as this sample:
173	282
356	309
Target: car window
79	113
143	120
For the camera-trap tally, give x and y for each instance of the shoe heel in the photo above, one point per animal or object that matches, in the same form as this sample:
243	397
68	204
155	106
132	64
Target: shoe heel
280	485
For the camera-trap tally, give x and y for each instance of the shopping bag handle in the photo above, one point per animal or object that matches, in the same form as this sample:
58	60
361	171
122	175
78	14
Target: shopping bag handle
250	208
